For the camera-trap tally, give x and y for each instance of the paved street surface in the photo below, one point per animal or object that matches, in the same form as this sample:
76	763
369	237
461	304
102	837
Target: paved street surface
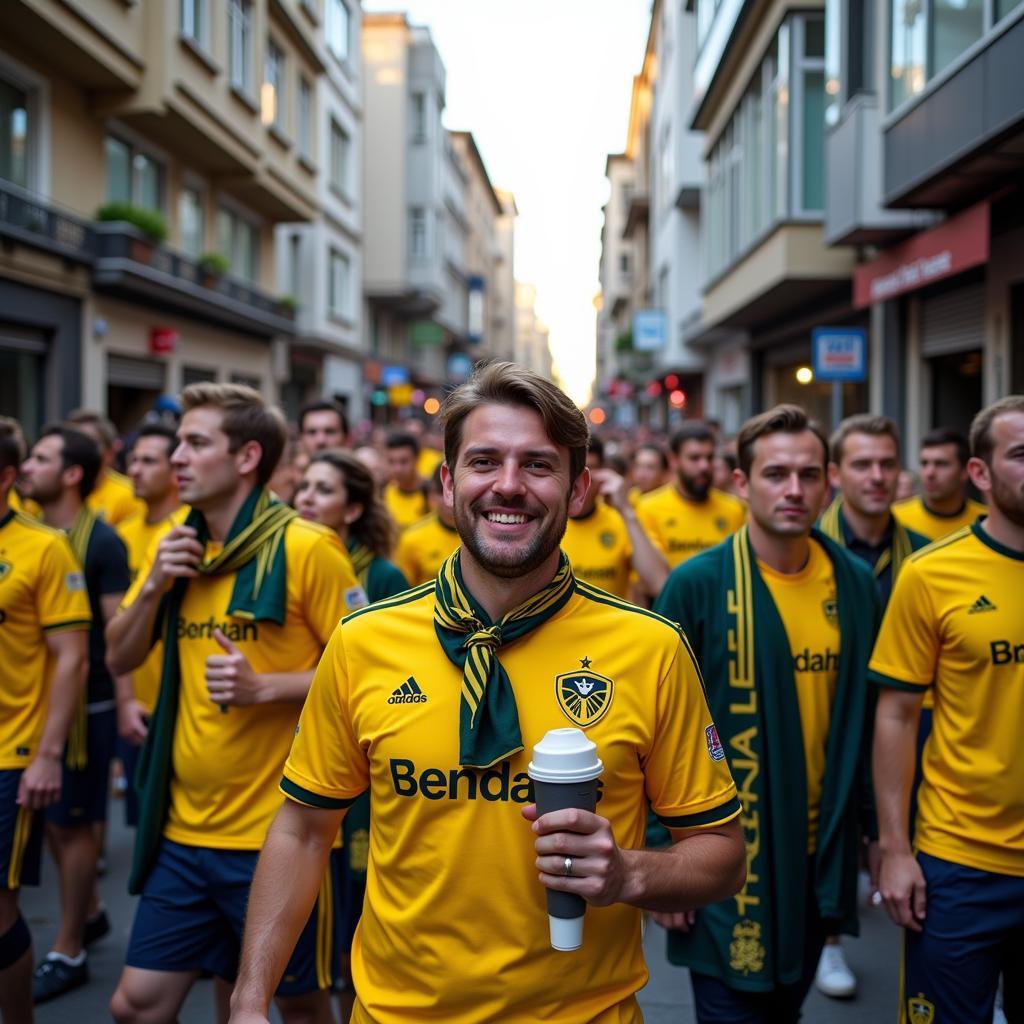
666	999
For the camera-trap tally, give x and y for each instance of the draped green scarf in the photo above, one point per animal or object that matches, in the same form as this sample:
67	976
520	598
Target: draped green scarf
362	558
900	548
254	551
755	941
488	716
76	751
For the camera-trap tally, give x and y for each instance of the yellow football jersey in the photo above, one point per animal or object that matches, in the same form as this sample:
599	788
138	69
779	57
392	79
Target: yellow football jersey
424	547
42	591
806	602
451	865
226	764
915	515
955	622
427	461
682	528
140	539
26	506
406	507
600	550
114	498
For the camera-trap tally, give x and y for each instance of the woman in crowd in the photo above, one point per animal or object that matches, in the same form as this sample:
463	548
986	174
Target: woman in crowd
337	490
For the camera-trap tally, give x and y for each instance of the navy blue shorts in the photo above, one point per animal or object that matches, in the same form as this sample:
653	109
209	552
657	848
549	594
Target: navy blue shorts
83	794
191	915
21	835
973	931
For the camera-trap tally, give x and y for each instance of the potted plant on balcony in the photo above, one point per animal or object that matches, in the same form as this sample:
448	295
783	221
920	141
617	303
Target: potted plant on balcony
150	223
287	305
213	266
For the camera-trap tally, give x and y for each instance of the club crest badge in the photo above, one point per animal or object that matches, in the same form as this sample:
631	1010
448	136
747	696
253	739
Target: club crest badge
715	748
920	1010
583	696
5	568
831	610
607	539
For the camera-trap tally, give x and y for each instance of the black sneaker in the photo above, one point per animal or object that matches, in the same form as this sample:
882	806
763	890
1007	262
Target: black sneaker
54	977
95	928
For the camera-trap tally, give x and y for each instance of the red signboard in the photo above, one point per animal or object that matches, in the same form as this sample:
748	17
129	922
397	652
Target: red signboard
951	248
162	340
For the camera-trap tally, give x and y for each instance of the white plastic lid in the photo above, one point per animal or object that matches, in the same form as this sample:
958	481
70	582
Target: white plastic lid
566	933
565	755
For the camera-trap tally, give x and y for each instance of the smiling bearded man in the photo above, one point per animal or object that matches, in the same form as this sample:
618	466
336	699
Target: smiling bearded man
433	700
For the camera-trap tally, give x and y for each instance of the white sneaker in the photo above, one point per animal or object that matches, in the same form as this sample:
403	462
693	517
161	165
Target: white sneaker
833	977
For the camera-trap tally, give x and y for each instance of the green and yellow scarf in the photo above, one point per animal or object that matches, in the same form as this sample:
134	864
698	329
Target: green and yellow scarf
900	548
254	551
362	558
76	751
488	717
754	941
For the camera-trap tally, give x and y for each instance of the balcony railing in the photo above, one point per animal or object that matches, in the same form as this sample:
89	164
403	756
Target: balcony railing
25	219
128	262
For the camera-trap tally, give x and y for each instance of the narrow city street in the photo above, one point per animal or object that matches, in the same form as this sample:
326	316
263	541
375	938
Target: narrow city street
667	999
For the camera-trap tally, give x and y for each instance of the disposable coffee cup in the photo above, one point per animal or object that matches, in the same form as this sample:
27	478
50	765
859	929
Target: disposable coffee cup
565	770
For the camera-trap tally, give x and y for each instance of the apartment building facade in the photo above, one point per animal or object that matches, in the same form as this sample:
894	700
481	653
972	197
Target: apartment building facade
187	110
531	337
319	264
925	156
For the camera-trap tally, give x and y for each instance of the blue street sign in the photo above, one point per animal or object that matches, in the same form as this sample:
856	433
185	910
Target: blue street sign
840	354
650	330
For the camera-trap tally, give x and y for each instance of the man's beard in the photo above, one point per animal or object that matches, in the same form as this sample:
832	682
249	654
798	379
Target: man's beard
42	494
695	487
1009	502
505	563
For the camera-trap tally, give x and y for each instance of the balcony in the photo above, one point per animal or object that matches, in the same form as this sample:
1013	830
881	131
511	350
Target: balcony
25	220
637	215
853	182
130	264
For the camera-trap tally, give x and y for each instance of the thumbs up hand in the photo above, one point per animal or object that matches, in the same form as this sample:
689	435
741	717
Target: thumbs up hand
230	679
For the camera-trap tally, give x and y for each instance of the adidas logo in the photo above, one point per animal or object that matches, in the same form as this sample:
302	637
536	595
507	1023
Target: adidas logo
408	693
983	604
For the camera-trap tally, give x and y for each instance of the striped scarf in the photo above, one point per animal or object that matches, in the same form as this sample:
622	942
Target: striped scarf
76	753
362	558
255	553
900	548
488	718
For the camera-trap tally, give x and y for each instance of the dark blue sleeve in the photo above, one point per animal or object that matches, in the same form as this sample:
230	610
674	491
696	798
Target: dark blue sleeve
110	560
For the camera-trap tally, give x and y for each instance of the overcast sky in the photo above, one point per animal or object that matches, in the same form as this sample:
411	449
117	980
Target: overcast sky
544	86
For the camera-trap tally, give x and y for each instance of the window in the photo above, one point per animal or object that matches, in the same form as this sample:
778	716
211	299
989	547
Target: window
926	36
665	167
340	158
419	117
240	44
238	239
338	28
192	221
339	284
418	233
272	95
133	176
14	134
193	21
305	118
768	163
294	265
624	264
955	25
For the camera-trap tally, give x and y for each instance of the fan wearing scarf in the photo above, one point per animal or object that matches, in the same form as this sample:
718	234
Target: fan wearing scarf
59	474
244	596
864	469
434	700
782	620
44	621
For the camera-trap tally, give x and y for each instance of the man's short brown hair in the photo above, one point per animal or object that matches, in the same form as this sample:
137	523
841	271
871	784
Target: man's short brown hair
91	418
783	419
12	443
245	417
511	384
862	423
982	441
